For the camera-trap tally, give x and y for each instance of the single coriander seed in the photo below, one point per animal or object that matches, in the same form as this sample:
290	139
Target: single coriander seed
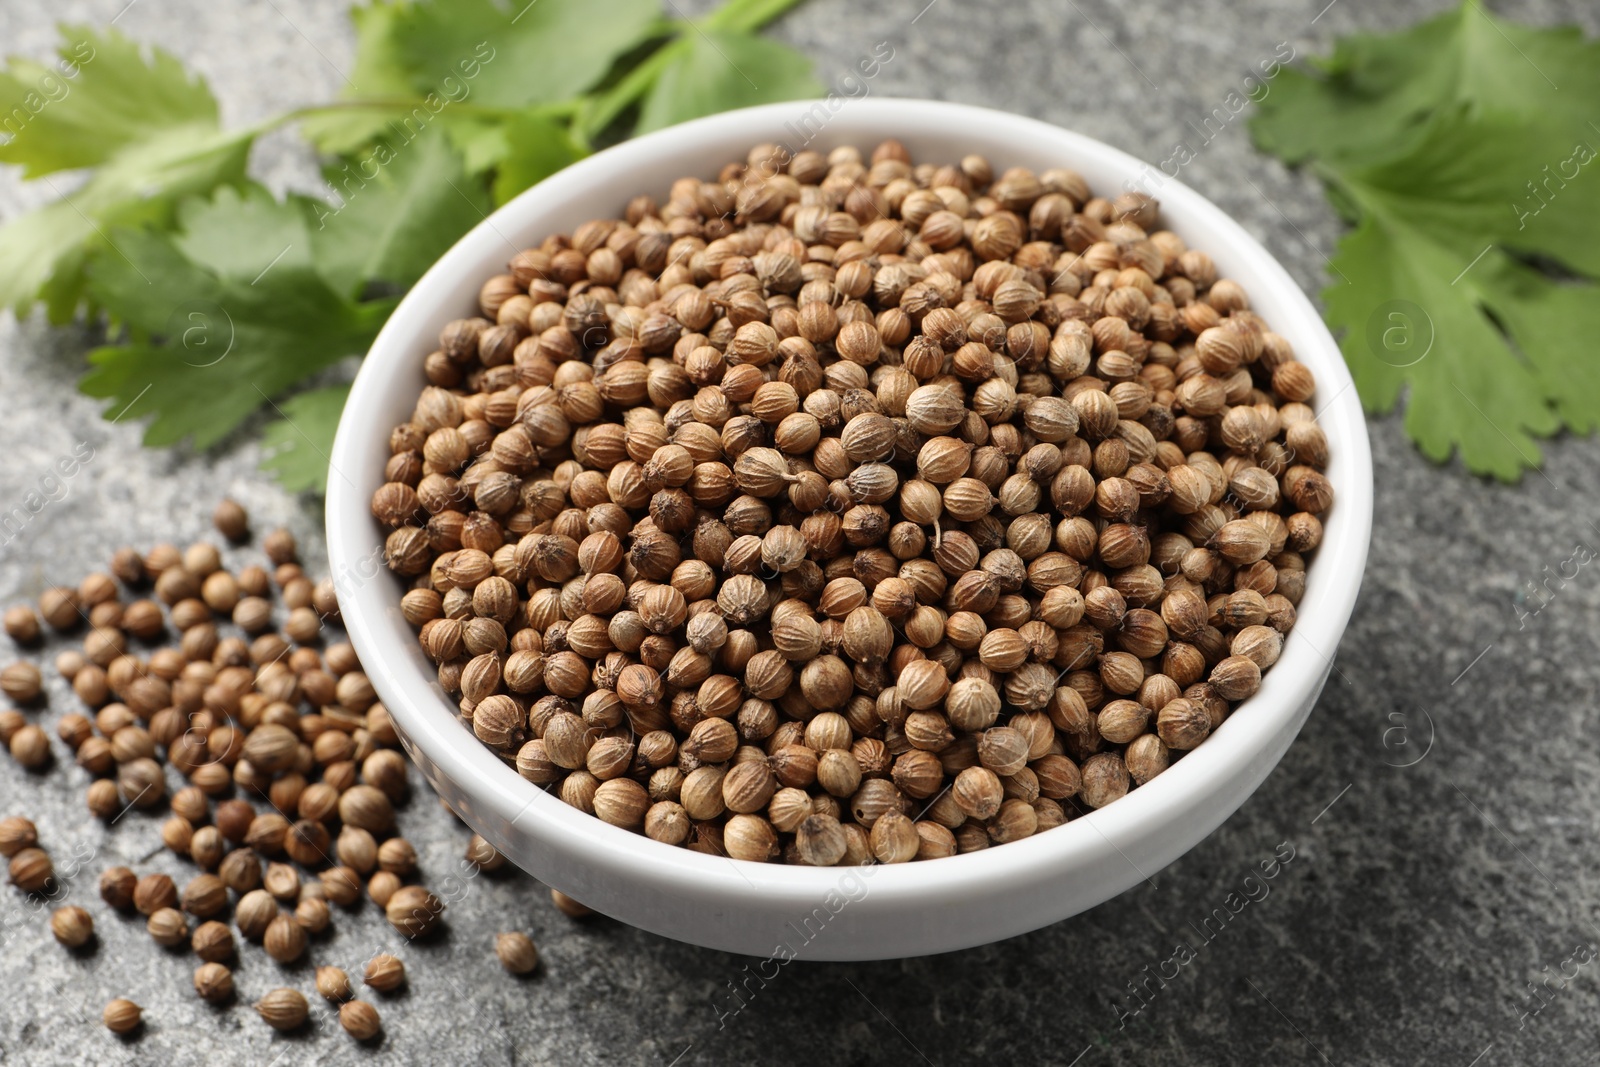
72	926
121	1016
359	1019
517	952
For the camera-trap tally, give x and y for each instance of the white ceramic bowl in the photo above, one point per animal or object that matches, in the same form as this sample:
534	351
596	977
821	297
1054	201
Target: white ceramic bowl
834	913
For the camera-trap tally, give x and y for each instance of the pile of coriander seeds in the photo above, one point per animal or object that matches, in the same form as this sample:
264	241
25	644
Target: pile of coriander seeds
849	509
290	770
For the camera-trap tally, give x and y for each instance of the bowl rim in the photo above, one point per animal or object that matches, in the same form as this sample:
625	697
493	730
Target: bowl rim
428	718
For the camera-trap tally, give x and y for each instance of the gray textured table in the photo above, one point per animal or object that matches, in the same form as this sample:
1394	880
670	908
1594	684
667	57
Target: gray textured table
1421	903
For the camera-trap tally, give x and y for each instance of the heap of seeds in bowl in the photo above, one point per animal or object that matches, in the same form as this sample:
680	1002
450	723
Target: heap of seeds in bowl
845	509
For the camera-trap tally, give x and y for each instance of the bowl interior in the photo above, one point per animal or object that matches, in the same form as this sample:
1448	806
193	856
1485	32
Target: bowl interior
494	796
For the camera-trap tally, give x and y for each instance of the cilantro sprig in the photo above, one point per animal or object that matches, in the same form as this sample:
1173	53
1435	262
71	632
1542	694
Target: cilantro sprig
1462	151
223	300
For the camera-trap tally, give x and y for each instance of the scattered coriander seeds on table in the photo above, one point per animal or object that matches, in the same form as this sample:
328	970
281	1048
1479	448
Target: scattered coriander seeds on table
290	777
846	480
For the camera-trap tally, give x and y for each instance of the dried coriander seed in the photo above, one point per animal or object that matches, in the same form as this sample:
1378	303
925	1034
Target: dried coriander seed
117	885
213	982
284	939
122	1016
385	973
283	1009
16	834
333	984
254	913
568	906
231	520
359	1019
213	942
31	870
168	927
21	682
72	926
154	892
483	855
516	952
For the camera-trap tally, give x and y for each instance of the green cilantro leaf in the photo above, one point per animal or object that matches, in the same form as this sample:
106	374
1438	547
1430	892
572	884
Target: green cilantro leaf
220	325
379	74
474	65
1463	169
715	70
298	446
1369	97
536	148
399	207
527	51
147	158
100	97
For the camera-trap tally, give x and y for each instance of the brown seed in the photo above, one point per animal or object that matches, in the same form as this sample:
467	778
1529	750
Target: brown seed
231	520
153	892
21	624
254	913
359	1019
30	746
978	792
483	855
21	682
117	885
121	1016
821	841
621	802
285	939
517	953
413	911
72	926
366	807
333	984
212	942
312	914
750	837
381	887
385	973
168	927
205	896
283	1009
568	906
16	834
214	983
1105	778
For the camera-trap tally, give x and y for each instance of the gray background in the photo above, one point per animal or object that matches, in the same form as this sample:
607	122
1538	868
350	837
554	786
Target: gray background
1419	907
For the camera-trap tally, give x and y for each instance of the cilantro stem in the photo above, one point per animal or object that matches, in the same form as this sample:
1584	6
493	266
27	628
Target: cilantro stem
559	109
604	108
745	16
736	16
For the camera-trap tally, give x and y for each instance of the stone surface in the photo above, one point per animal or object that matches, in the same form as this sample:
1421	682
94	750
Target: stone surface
1421	901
